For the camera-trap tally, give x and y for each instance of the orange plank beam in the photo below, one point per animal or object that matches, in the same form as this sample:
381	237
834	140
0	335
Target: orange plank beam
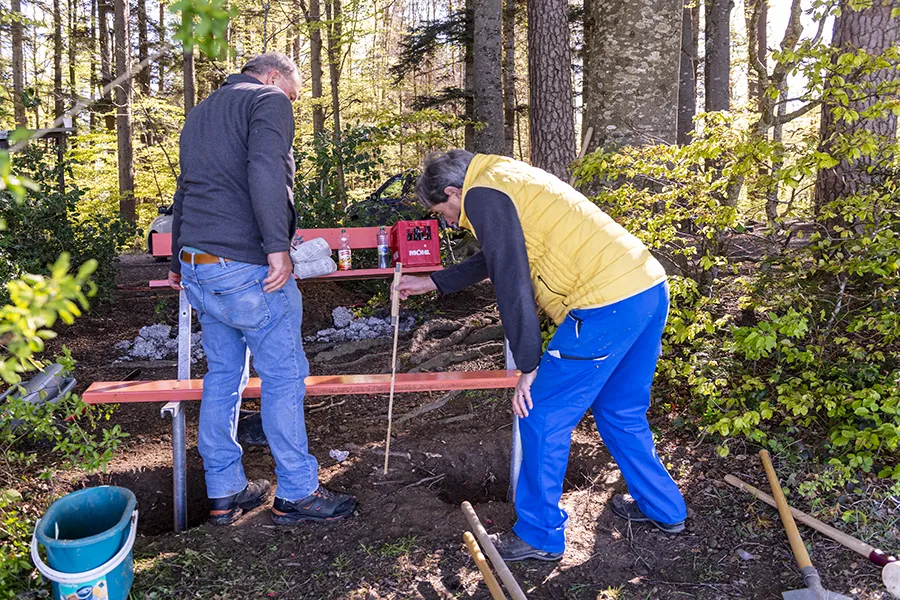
115	392
351	275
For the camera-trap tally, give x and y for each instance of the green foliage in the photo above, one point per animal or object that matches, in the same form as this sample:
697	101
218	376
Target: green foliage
47	437
47	223
316	193
785	333
204	23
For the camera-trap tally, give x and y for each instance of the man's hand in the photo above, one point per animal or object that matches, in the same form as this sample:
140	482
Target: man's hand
175	280
413	285
280	269
521	402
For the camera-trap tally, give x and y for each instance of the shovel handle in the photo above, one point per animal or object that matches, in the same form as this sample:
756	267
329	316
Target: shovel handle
784	512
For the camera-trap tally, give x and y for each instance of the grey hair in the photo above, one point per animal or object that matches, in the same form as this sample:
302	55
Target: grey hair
442	170
263	64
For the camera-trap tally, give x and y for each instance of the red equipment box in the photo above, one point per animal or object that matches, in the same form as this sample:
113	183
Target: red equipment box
415	243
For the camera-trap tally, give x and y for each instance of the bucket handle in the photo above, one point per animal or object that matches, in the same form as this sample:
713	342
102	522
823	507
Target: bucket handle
76	578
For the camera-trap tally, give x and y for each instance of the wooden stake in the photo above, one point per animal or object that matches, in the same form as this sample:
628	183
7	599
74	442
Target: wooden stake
395	321
483	566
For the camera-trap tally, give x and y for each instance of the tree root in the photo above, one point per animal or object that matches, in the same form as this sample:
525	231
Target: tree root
446	359
420	337
439	403
470	325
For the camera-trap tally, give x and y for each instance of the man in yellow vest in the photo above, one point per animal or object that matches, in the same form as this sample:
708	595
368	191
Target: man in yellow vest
543	242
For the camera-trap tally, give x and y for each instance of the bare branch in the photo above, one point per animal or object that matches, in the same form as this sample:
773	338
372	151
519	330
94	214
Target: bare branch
82	105
795	114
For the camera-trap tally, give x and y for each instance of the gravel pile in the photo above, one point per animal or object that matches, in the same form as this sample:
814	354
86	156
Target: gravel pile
157	342
349	328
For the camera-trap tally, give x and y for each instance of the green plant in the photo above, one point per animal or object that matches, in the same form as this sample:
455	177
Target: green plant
46	222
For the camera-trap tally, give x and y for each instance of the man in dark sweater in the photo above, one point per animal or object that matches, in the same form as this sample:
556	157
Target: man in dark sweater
231	233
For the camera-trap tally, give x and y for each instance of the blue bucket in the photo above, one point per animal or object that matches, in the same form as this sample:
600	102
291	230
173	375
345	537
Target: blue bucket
88	536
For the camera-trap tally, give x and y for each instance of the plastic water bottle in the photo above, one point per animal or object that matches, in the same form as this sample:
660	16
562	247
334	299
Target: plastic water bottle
384	252
344	255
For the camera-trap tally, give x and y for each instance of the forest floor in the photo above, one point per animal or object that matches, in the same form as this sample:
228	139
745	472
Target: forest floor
406	540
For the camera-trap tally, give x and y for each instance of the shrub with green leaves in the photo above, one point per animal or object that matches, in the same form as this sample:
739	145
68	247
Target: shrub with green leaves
47	222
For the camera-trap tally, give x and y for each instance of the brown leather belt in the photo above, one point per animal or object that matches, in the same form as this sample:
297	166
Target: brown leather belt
201	259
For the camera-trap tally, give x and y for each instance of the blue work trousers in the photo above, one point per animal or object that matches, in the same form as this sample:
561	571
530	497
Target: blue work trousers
235	313
603	359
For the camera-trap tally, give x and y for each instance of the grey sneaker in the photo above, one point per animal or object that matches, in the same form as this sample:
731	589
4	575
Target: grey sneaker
512	548
624	506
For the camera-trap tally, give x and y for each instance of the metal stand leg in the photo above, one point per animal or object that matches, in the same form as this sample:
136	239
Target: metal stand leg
515	458
179	445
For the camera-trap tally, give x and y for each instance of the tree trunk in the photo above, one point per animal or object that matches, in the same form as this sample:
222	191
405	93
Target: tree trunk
36	73
626	105
92	95
550	81
469	77
335	34
58	106
487	80
18	65
687	86
190	94
74	38
756	86
105	104
123	110
718	55
314	20
295	29
161	64
509	76
874	31
143	48
777	136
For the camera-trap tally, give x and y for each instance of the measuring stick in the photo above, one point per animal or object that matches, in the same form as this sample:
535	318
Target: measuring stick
395	321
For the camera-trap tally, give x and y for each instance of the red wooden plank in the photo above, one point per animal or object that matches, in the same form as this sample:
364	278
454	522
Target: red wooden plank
115	392
342	275
360	238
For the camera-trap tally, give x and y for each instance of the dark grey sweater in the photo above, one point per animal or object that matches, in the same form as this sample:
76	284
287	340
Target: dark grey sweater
235	192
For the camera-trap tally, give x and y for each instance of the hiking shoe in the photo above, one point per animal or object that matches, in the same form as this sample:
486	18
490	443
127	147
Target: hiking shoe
225	511
624	506
321	505
512	548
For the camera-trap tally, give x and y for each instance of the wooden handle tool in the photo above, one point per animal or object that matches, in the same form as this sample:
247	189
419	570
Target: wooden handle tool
877	556
483	566
512	586
787	518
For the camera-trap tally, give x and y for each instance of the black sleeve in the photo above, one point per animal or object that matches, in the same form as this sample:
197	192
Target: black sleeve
176	226
496	224
459	277
269	153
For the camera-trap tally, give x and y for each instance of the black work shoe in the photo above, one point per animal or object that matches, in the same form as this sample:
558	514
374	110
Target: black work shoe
512	548
624	506
225	511
321	505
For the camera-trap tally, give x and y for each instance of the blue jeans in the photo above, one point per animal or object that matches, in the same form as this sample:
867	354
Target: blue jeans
236	314
602	359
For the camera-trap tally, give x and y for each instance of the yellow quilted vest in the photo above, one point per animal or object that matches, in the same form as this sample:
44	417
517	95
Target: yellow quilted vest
579	257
